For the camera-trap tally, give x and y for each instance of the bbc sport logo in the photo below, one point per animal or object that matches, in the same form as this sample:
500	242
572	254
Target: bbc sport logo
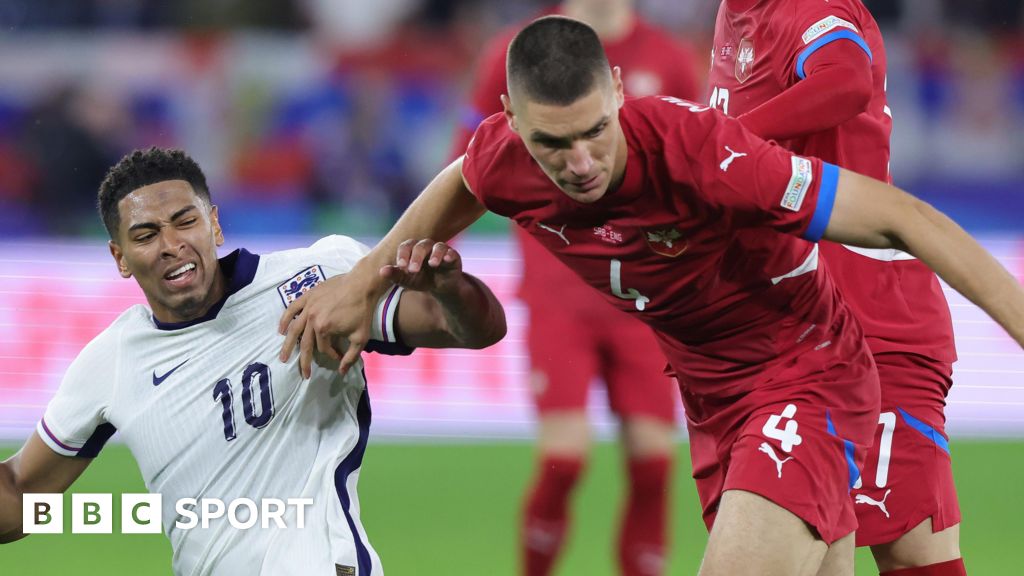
141	513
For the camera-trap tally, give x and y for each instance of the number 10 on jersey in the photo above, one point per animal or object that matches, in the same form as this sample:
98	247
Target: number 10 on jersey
255	375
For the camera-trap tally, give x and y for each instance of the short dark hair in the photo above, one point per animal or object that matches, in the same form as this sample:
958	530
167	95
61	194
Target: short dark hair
141	168
555	60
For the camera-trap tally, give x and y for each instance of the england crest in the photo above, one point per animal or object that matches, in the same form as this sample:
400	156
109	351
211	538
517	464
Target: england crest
666	241
293	288
744	60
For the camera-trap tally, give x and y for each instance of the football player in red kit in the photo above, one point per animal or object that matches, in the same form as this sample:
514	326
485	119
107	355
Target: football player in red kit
575	337
717	255
811	75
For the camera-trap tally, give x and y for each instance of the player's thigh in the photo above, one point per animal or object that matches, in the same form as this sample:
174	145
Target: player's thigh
563	360
633	369
838	560
921	546
755	536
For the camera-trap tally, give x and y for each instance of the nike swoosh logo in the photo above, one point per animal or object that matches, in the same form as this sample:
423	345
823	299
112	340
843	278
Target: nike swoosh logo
158	380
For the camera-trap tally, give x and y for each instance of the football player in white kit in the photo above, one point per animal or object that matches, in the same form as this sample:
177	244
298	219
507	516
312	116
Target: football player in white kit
195	386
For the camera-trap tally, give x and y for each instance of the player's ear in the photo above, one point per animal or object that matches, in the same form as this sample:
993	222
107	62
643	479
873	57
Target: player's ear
218	233
122	266
620	92
510	117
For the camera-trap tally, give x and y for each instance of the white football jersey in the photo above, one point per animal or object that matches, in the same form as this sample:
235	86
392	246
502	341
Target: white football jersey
209	411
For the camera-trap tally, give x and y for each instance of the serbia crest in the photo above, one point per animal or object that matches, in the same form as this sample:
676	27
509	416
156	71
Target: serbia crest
666	241
744	60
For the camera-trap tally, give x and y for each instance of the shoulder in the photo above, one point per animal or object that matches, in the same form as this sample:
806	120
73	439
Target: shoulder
494	148
812	19
336	252
654	119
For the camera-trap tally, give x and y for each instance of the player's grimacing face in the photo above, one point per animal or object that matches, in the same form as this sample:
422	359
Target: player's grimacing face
167	239
579	146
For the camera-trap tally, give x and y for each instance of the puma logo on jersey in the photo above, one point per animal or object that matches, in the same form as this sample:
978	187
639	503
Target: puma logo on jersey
767	449
560	232
732	156
158	380
880	504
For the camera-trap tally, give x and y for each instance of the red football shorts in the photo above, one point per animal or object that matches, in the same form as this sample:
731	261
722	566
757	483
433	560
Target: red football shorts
569	346
798	441
908	474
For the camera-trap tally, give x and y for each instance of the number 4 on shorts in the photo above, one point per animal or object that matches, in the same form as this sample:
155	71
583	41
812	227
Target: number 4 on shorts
786	435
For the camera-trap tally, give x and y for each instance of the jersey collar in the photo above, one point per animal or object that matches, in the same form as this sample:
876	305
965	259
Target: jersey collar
239	269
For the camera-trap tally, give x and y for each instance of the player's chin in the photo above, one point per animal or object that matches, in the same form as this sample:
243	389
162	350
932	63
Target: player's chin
585	196
186	307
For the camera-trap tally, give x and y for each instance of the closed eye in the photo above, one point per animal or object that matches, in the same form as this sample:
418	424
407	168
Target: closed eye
595	131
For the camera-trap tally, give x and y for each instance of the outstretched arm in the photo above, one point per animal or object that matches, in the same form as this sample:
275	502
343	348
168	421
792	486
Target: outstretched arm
343	305
872	214
35	468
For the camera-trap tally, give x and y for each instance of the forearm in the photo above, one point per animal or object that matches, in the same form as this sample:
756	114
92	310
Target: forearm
474	318
963	264
871	214
442	210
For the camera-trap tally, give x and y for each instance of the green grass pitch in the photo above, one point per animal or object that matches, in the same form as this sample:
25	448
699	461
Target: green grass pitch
452	509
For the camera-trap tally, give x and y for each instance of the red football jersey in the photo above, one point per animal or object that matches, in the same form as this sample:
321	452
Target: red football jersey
761	48
701	241
652	63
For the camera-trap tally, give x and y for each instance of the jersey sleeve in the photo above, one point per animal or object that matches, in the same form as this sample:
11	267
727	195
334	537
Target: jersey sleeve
384	338
482	160
813	29
74	423
750	181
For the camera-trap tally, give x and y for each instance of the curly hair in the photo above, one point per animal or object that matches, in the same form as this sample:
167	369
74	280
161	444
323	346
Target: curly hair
141	168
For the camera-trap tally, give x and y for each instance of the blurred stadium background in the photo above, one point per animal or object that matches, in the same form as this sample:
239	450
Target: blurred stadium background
327	116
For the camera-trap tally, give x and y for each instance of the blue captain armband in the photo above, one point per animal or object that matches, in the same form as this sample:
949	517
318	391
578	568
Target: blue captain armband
826	200
823	41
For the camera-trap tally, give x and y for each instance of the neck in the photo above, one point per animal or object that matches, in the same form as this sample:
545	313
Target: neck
611	19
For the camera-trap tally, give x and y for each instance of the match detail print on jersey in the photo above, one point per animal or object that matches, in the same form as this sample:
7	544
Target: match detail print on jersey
799	184
824	26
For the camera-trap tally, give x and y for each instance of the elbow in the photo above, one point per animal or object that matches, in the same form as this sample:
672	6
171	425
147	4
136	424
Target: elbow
860	98
496	330
13	536
916	217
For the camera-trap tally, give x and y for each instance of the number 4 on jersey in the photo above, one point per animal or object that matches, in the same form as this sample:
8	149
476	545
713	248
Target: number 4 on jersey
787	434
631	293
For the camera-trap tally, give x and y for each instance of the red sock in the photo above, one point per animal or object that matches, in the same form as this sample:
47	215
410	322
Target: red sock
644	525
546	516
950	568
